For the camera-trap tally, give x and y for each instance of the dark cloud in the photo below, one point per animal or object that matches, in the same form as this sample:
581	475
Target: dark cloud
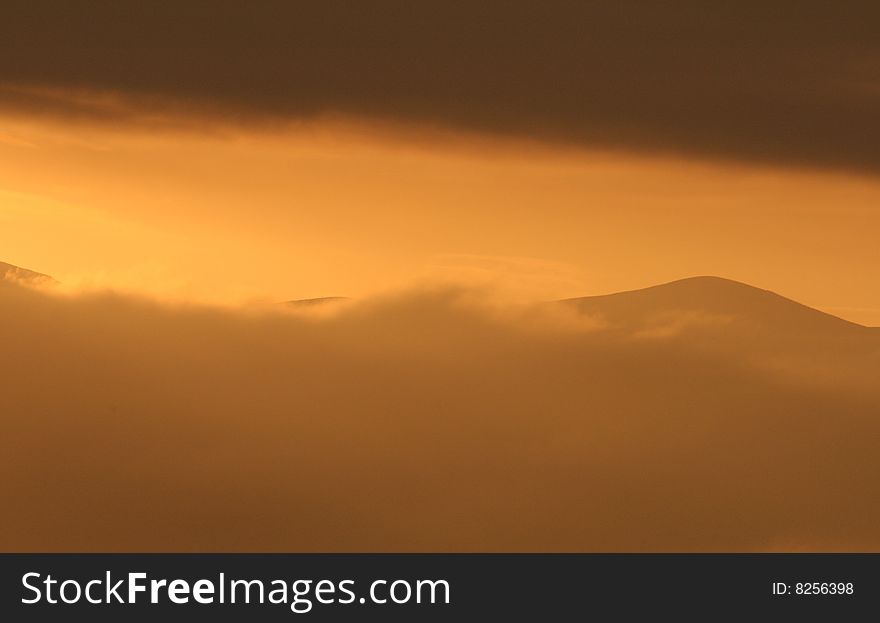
779	82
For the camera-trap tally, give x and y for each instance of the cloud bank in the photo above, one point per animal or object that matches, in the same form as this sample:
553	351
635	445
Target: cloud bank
426	421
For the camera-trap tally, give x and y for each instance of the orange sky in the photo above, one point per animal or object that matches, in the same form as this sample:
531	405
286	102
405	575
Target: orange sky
182	169
335	208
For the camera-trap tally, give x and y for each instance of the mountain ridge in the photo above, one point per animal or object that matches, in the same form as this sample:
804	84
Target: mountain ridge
705	296
709	295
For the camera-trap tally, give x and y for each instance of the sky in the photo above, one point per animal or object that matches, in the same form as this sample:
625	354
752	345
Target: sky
238	154
182	167
343	208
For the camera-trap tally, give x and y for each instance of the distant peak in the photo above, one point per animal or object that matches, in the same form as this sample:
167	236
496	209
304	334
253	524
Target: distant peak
708	295
16	274
322	300
708	285
708	281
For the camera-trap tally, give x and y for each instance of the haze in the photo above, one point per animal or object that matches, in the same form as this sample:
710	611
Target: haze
439	421
581	276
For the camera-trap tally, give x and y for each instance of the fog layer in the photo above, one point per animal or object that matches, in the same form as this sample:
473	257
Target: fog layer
433	420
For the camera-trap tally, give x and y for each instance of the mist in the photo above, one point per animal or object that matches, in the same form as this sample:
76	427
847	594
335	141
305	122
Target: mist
429	420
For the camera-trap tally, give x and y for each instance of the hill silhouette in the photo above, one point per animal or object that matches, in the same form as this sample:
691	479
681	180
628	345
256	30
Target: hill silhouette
316	302
10	272
741	323
713	297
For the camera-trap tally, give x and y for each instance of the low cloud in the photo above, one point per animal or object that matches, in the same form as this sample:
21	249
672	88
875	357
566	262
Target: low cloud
430	420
